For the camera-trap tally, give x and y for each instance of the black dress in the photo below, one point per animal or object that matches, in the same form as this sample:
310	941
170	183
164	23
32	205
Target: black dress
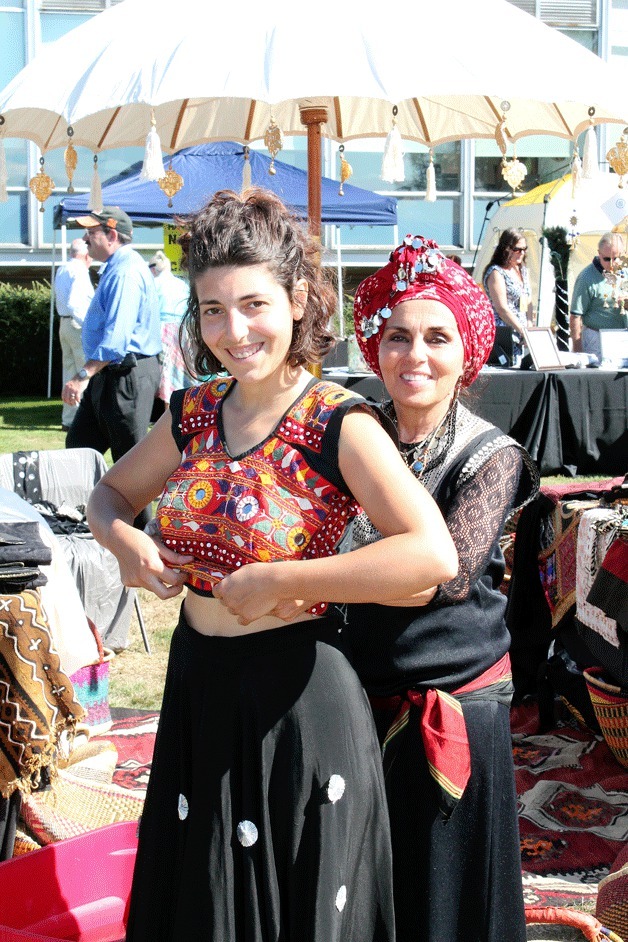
456	879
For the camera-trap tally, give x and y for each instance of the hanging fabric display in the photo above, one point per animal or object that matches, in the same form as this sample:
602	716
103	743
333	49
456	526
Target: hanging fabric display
393	170
430	180
95	193
153	166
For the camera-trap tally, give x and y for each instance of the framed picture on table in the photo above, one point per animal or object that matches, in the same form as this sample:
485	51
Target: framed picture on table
543	350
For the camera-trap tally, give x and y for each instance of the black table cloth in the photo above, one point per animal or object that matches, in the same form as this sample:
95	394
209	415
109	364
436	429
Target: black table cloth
570	421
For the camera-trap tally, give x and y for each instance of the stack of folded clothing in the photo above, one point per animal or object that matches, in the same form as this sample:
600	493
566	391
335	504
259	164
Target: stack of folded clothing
22	551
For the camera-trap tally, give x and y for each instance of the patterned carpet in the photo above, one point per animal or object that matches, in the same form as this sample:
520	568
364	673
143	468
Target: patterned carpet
573	806
573	801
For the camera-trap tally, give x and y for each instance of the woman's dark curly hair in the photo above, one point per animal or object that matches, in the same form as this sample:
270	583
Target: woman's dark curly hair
255	228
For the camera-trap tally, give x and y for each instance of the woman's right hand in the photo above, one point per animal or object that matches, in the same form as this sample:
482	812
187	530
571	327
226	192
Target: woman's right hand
145	562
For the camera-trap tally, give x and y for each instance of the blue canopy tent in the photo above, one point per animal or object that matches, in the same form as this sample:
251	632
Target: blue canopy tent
212	167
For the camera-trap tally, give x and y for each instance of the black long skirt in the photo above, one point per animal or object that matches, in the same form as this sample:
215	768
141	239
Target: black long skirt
457	880
265	818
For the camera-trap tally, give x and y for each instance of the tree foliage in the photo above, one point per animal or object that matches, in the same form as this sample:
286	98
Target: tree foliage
24	328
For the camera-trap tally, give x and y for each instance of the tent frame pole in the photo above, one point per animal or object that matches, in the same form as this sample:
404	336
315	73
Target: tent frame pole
544	247
52	313
341	307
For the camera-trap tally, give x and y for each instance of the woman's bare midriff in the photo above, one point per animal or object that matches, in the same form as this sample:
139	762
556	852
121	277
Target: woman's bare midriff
208	616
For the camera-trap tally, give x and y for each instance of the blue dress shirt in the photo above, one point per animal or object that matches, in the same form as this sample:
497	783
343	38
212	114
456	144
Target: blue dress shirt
123	316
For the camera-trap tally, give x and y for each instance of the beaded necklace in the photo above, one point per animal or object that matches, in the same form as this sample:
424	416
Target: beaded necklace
427	454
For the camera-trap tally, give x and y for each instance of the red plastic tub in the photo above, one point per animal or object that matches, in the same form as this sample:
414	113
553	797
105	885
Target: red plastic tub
76	889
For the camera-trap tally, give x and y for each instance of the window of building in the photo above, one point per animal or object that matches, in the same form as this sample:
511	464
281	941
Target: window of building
13	56
14	219
56	25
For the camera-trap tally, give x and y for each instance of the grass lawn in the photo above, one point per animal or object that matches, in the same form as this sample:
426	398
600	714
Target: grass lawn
136	680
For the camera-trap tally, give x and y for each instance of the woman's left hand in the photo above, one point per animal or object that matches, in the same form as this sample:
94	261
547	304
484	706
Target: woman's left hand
250	592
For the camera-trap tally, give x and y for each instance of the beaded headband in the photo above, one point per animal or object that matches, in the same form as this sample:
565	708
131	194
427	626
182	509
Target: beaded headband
418	269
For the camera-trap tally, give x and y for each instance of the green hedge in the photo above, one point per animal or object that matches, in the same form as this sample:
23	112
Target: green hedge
24	333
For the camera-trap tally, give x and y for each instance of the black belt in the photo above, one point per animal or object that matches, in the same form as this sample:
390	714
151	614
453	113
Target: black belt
129	361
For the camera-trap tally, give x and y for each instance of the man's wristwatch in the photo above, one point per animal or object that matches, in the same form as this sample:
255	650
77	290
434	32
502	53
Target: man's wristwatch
82	373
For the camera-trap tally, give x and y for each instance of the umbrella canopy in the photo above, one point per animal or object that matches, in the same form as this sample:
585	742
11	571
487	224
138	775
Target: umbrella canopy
226	71
212	167
212	71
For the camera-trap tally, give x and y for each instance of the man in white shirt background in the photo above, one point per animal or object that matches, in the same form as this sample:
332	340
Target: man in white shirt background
73	293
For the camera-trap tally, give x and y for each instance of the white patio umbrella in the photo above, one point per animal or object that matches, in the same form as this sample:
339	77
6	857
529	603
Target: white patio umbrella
222	71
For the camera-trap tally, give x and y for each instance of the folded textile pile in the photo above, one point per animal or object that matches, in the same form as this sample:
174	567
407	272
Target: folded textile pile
22	551
609	591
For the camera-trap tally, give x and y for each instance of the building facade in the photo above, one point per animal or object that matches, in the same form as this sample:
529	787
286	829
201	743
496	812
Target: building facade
468	178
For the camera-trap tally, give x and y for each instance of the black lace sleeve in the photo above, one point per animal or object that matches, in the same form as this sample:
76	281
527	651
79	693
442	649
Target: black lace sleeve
476	519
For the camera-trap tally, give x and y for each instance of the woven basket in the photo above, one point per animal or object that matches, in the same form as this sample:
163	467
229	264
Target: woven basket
91	687
611	907
610	705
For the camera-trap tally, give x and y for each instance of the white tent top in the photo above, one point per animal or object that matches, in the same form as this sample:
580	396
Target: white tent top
596	205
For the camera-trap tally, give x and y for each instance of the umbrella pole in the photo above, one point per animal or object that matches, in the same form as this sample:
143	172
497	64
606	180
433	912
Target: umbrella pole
312	118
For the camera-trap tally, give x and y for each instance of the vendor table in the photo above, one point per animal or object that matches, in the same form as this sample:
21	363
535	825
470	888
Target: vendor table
570	421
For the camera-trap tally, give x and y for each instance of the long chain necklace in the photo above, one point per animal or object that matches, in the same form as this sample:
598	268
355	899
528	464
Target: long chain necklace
426	454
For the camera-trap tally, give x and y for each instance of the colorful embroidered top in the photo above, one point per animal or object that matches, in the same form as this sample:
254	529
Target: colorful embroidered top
283	499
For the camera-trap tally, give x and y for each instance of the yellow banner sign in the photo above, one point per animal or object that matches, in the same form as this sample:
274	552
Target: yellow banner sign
171	247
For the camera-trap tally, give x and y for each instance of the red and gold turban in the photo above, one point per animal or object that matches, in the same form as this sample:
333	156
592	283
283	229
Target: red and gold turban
418	269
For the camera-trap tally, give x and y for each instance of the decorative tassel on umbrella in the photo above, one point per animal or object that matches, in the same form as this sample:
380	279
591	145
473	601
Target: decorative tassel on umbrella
153	166
170	183
95	193
346	170
70	159
430	180
273	141
41	185
573	233
617	157
393	170
501	132
590	166
246	169
514	172
576	170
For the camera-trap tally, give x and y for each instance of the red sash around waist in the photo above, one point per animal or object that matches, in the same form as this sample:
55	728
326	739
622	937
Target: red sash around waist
443	729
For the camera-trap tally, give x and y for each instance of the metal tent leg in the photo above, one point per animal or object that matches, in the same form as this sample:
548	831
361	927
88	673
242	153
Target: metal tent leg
140	618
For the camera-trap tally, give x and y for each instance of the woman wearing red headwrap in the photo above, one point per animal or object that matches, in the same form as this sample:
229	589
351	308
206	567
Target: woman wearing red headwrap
436	666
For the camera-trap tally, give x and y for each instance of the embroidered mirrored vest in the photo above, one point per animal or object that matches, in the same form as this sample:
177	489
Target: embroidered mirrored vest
266	506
